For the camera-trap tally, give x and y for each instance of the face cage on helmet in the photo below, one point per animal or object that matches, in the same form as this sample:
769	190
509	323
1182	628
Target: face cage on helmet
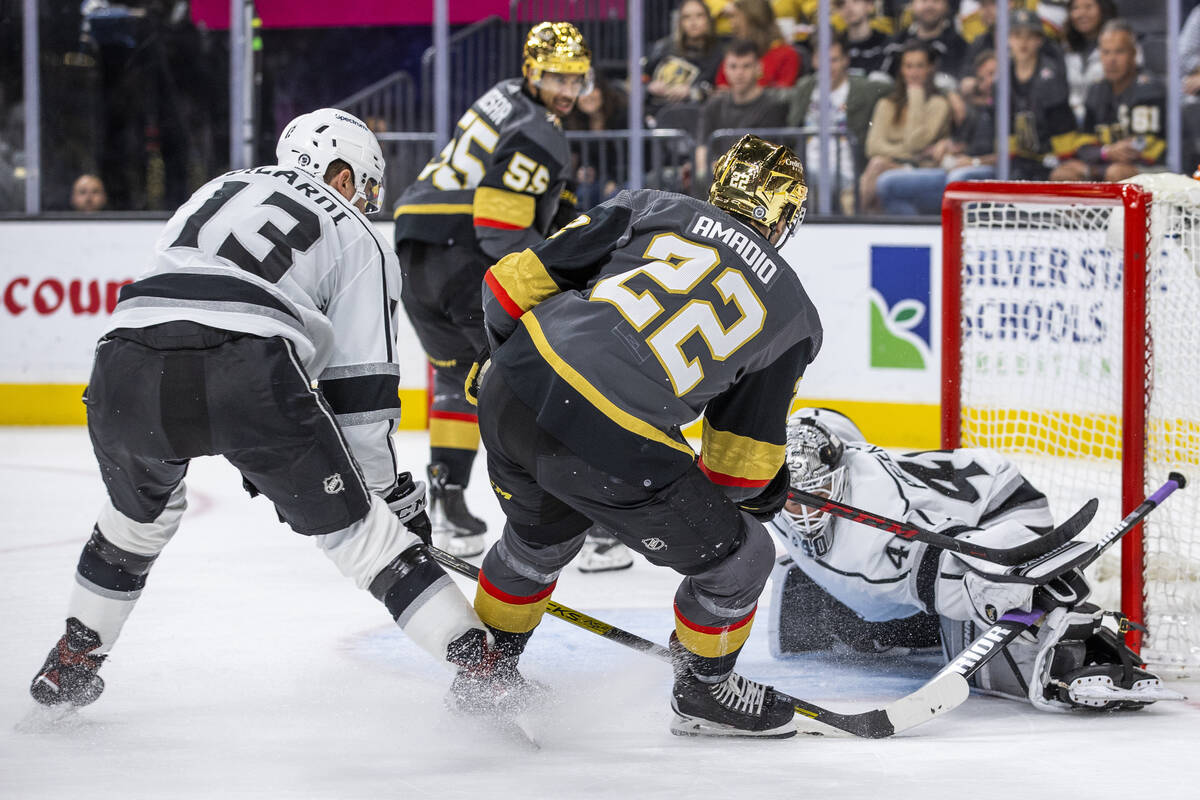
811	528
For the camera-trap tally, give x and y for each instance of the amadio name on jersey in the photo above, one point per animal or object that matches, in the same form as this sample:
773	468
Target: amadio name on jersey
757	261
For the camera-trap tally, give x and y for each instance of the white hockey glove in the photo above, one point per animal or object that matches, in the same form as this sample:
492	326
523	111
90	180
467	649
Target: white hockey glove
407	501
965	591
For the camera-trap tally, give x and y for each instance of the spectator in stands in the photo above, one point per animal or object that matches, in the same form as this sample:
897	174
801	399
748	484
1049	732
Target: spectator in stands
597	164
682	67
746	105
1124	116
867	36
933	24
853	99
904	124
1081	53
755	21
967	155
1042	125
87	194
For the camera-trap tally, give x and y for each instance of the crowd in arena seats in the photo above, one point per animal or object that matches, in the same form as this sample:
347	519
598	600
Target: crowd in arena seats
1087	98
912	85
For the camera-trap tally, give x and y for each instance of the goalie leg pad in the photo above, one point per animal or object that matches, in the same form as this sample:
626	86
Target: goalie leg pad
1081	664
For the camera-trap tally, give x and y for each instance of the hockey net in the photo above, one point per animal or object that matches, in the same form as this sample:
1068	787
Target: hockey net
1071	342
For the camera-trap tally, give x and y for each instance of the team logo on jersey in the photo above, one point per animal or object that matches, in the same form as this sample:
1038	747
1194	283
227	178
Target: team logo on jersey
333	484
899	307
654	543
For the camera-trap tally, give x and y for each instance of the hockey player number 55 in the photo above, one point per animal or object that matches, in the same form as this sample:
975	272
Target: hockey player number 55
680	267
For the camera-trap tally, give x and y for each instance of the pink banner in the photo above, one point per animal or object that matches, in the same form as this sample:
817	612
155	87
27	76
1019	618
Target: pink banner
323	14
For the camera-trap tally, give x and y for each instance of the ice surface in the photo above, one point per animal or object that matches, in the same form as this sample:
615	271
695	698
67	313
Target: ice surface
252	669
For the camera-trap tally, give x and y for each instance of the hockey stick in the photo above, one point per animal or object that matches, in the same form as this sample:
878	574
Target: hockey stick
1005	556
941	694
1014	623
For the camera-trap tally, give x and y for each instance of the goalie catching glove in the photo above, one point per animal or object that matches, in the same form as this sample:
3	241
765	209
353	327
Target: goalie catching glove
407	501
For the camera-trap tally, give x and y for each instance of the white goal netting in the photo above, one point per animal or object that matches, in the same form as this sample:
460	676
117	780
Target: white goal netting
1042	367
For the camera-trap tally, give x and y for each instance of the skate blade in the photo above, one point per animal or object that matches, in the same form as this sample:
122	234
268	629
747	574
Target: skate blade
1104	690
49	719
694	726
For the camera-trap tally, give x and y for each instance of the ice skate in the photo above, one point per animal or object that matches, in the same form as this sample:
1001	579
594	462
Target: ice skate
735	706
603	553
69	674
455	529
729	706
488	682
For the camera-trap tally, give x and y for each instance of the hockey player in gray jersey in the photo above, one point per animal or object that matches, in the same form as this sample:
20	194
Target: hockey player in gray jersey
496	188
266	279
640	315
846	586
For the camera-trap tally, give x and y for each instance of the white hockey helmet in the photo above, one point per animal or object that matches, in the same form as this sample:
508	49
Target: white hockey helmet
313	141
814	459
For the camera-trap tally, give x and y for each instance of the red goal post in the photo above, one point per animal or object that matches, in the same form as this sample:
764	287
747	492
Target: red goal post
1044	290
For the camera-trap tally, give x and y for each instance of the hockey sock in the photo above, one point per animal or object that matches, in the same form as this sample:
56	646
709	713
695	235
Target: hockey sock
108	582
708	651
425	602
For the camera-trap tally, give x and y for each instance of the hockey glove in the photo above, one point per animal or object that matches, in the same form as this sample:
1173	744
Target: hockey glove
766	504
970	588
475	376
407	501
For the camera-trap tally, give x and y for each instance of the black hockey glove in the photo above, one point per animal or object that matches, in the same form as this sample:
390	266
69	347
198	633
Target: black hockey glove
407	501
766	504
475	375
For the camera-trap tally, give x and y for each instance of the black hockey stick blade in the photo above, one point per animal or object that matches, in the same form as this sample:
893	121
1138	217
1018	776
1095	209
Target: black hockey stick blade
1078	555
1005	556
931	700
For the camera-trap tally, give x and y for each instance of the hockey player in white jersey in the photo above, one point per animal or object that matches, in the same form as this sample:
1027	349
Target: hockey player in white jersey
266	279
846	586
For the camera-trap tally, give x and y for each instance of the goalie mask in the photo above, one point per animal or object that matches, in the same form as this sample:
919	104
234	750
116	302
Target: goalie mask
559	48
760	182
814	456
313	141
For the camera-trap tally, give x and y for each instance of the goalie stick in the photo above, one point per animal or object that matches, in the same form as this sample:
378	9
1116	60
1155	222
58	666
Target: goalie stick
941	694
1014	623
1005	556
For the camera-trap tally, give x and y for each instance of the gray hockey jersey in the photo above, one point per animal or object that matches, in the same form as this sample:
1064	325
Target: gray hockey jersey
641	315
497	182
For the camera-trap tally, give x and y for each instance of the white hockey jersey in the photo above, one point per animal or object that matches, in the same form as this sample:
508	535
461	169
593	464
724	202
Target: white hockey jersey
883	577
276	252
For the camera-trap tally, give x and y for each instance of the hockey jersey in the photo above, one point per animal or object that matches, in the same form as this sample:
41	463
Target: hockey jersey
1041	120
882	577
1138	113
498	182
271	251
646	312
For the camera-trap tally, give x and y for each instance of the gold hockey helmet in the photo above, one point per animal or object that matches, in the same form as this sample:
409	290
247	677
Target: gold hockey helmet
761	182
555	47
